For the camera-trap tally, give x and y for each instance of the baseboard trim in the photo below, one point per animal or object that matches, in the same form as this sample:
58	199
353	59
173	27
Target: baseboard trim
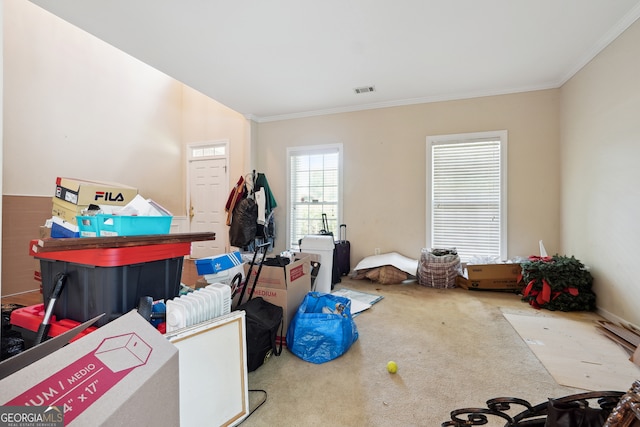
615	319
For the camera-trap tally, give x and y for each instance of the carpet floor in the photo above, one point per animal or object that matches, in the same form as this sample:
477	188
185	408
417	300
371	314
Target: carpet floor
454	349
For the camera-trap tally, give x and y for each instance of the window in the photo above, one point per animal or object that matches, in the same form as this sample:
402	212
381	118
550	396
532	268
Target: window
207	149
314	187
467	200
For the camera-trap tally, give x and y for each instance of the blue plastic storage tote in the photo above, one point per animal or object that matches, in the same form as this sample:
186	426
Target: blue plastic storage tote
88	226
125	225
322	329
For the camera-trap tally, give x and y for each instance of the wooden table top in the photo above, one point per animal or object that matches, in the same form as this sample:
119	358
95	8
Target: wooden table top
52	245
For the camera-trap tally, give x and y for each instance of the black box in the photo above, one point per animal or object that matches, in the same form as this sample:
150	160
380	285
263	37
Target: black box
91	290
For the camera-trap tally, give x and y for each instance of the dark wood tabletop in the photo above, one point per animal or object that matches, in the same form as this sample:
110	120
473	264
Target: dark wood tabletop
52	245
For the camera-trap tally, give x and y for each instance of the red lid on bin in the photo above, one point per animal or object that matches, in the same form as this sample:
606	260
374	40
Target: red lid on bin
31	317
116	257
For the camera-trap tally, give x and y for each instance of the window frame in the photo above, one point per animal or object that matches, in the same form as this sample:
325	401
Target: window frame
207	150
313	149
502	136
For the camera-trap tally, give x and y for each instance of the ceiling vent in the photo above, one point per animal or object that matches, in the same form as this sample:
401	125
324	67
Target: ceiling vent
365	89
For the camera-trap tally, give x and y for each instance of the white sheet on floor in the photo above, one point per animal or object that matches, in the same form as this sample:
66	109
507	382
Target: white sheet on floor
360	301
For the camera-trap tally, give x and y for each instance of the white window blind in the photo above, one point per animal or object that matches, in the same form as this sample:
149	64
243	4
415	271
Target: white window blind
468	196
314	188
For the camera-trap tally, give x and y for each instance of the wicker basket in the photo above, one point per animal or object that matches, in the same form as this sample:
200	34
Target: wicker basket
439	268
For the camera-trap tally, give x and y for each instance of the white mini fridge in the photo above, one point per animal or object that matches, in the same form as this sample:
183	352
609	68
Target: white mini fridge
322	245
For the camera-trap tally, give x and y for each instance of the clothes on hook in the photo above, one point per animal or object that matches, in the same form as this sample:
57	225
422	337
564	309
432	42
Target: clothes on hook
266	205
261	182
249	210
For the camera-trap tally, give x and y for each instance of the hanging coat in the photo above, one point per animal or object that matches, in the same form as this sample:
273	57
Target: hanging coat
244	223
238	192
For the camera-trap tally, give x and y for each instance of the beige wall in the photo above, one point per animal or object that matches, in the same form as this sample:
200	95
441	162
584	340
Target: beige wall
600	173
206	120
1	118
384	167
75	106
81	108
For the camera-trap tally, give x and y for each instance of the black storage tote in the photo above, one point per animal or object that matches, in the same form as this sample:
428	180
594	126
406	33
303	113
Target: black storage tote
263	321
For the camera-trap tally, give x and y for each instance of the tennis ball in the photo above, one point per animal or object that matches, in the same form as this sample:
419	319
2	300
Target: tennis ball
392	367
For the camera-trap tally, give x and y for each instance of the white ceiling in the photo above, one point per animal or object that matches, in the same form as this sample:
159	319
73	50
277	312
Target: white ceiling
278	59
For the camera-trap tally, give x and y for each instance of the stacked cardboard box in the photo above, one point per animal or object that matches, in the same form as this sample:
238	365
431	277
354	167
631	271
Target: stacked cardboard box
72	196
502	277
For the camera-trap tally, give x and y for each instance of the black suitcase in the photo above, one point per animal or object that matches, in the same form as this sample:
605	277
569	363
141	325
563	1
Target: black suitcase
343	252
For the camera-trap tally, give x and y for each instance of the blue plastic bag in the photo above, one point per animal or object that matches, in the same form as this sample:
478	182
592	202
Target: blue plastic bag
322	328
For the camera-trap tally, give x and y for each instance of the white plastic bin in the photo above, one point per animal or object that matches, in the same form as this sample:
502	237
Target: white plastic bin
323	246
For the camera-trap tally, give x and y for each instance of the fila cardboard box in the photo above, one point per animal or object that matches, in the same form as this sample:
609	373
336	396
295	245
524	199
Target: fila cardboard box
124	373
283	286
83	193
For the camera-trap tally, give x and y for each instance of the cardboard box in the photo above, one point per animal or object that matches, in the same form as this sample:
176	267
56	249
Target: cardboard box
491	277
44	232
82	192
124	373
225	276
66	211
282	286
316	265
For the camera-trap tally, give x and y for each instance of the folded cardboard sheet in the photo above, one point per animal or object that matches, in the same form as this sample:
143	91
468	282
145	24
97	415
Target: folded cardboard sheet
401	262
574	352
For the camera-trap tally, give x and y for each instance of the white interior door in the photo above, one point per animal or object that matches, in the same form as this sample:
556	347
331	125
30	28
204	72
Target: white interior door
208	195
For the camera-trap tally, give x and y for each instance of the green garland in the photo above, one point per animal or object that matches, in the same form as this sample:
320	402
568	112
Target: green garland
558	283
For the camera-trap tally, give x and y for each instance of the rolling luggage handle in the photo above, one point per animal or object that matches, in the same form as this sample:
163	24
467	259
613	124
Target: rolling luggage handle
325	225
43	329
262	247
342	233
